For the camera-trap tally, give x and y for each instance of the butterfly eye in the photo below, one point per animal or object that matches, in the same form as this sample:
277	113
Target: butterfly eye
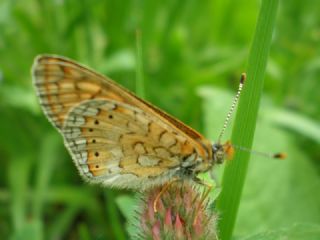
96	122
215	147
96	154
218	153
110	116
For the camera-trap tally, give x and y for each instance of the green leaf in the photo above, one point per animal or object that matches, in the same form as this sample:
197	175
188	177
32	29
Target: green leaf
128	207
277	192
300	231
295	122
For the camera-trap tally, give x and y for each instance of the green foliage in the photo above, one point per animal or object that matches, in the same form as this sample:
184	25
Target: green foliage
277	192
185	45
245	121
295	232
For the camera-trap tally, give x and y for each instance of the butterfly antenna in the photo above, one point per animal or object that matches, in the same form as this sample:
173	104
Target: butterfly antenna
234	104
263	154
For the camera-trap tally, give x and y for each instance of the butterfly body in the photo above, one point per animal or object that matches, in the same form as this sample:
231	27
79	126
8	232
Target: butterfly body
115	138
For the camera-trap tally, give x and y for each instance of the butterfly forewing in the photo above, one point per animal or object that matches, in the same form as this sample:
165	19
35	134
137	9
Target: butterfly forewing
114	137
62	84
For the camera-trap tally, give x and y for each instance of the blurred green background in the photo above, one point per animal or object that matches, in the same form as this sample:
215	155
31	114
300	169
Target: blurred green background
193	54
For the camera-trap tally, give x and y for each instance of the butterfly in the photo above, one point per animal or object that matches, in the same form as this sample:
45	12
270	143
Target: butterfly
115	138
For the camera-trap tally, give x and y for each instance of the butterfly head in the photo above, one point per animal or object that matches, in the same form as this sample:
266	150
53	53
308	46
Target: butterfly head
222	151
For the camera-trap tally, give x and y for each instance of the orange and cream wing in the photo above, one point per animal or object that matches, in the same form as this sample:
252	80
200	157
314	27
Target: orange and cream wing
114	137
119	145
61	84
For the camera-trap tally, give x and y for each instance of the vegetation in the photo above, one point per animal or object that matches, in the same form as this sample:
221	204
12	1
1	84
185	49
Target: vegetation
190	57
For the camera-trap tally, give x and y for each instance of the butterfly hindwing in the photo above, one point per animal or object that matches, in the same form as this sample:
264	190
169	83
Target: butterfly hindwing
117	144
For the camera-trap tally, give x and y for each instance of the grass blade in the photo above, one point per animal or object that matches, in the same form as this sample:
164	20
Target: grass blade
245	122
139	66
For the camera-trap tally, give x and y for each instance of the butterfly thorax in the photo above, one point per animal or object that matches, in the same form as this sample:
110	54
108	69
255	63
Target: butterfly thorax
194	164
200	160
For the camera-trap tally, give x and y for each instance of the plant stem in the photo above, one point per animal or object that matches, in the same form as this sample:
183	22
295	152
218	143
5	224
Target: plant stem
245	121
139	66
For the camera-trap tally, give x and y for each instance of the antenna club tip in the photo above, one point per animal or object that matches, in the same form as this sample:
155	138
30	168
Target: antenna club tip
280	155
243	78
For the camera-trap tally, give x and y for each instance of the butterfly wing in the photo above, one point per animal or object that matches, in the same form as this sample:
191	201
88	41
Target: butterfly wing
61	84
65	87
120	145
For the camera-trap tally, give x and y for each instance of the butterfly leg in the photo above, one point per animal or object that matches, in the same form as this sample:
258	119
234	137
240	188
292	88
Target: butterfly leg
164	188
205	194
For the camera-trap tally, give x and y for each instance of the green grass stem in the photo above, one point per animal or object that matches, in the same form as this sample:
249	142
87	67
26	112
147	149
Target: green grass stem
139	66
245	121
